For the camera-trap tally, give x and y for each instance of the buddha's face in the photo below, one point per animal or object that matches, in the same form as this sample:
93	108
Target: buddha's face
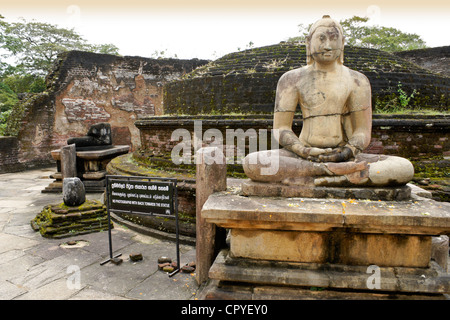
326	44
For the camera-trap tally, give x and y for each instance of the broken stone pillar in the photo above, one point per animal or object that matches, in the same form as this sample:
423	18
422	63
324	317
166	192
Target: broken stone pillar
211	176
68	161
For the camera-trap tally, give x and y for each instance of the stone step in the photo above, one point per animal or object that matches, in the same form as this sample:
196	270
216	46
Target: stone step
391	279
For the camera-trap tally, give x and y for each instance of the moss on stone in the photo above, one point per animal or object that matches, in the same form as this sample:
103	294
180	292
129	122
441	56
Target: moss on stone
59	221
245	81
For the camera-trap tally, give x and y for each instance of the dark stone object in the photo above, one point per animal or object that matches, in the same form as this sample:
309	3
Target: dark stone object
164	260
98	136
162	265
187	269
116	261
168	269
73	192
136	257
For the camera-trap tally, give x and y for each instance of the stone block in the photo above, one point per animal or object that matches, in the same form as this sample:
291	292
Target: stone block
98	175
252	188
421	217
289	274
222	290
279	245
332	247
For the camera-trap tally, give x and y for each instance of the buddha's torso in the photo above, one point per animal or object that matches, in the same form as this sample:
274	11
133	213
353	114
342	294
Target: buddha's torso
322	98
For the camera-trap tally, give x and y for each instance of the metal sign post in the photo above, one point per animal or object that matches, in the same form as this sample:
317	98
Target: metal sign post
144	195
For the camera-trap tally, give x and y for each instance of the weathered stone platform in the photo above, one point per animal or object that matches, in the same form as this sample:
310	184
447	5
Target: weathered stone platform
329	242
253	188
251	274
91	168
223	290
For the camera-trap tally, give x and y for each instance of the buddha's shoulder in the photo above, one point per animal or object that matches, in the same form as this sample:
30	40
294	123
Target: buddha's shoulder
358	77
294	74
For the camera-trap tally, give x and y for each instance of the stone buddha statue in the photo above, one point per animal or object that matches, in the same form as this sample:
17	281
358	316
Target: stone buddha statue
337	121
98	137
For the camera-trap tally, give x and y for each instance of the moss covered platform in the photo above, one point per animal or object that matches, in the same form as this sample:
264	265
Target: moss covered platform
59	221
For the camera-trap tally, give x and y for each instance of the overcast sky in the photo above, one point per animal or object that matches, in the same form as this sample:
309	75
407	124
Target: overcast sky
209	29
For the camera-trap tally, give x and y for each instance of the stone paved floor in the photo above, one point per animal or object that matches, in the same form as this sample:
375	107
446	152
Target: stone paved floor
33	267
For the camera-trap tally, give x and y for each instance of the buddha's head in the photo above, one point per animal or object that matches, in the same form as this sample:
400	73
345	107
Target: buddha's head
325	42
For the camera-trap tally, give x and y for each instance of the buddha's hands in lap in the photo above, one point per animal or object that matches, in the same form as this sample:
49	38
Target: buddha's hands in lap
339	154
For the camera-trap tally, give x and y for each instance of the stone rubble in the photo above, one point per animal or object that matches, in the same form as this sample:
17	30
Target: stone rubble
167	265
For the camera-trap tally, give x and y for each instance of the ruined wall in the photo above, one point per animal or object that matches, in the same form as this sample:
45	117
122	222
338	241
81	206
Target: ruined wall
9	148
246	81
424	140
32	123
96	88
86	88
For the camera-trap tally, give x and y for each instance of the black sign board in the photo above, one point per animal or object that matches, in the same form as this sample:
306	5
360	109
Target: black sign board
142	195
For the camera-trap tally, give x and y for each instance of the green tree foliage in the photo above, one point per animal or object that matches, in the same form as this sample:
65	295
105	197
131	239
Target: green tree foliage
358	33
8	99
35	45
28	83
27	53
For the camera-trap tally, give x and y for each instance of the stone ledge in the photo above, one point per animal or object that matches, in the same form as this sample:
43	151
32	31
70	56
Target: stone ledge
223	290
393	279
421	122
95	154
252	188
421	217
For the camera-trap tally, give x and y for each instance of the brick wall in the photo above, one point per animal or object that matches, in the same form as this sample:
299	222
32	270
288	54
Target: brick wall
86	88
94	88
424	140
245	82
9	148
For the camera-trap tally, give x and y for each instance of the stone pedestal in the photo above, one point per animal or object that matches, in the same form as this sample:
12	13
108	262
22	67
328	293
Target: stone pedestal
91	168
253	188
329	243
60	221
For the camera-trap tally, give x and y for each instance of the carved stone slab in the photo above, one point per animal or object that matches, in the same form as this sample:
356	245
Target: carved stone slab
253	188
